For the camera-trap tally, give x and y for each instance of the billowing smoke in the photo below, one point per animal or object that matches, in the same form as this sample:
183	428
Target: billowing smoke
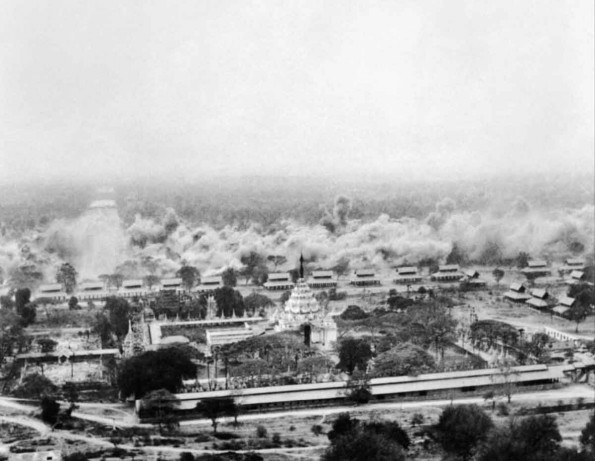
97	243
336	221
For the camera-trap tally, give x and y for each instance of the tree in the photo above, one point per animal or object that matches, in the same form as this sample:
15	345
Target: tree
50	410
229	302
353	441
162	404
229	277
25	276
151	280
152	370
405	359
35	386
11	333
498	275
354	313
534	438
354	353
119	315
522	260
73	303
277	260
22	297
47	345
578	313
341	267
215	408
66	276
433	325
115	280
507	377
357	389
461	428
189	276
28	314
587	438
251	262
255	302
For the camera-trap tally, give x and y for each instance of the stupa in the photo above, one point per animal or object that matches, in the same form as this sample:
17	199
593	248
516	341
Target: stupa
303	310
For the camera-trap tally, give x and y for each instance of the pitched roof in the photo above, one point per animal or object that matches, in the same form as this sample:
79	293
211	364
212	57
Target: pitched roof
409	270
279	276
171	282
536	263
540	293
322	274
566	301
575	262
50	288
518	287
364	273
86	286
132	283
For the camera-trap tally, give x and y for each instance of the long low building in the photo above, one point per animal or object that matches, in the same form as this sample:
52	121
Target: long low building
407	275
279	281
447	273
322	279
364	277
381	388
517	293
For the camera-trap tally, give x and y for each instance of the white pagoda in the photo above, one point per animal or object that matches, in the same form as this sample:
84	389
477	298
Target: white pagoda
303	310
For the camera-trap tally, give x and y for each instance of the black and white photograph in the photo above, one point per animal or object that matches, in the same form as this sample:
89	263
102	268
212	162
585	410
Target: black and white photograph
284	230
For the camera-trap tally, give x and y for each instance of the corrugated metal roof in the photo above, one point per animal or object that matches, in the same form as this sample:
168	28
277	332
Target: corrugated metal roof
322	274
575	262
171	282
364	273
577	275
85	286
50	288
540	293
516	296
278	276
215	280
535	302
566	301
409	270
537	263
517	286
132	283
561	309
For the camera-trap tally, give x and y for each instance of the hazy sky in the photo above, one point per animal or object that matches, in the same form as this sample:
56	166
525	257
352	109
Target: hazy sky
113	88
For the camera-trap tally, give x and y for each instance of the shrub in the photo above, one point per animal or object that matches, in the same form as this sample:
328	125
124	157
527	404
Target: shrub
186	456
316	429
292	428
276	438
502	409
261	432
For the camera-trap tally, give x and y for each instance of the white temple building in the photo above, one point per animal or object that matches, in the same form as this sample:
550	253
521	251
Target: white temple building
302	309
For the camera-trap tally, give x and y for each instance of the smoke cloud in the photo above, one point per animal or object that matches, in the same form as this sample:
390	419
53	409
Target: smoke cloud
97	243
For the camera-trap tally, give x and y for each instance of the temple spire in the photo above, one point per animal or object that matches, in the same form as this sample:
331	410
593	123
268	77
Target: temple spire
301	266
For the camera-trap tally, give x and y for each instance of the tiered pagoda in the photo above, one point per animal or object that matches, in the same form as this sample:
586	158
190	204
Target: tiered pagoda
303	310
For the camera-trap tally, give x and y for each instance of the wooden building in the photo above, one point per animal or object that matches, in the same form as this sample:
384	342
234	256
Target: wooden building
407	275
322	279
517	293
279	281
447	273
539	298
537	268
208	284
363	278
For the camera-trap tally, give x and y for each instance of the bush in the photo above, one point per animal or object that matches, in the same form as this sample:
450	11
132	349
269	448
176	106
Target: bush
261	432
502	409
276	438
316	430
292	428
226	435
186	456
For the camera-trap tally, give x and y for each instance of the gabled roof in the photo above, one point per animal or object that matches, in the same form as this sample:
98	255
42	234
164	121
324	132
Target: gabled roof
364	273
50	288
518	287
87	286
132	283
540	293
577	275
171	282
279	276
561	309
215	280
566	301
409	270
536	302
575	262
322	274
536	263
448	268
